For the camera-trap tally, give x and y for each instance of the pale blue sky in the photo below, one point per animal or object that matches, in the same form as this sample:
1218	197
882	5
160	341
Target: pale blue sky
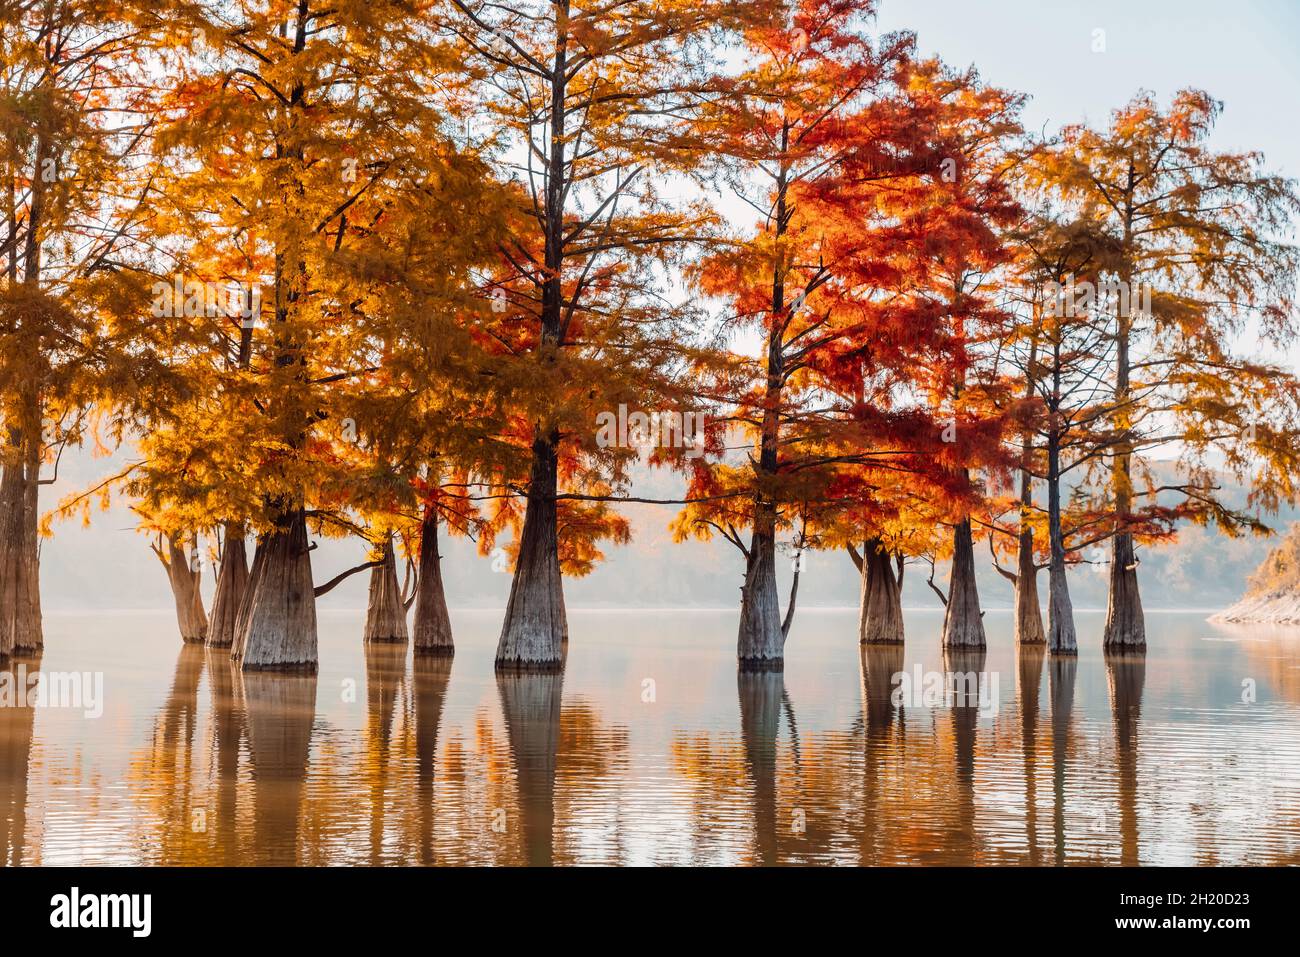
1245	53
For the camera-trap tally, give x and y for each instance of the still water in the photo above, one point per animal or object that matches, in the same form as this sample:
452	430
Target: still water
650	749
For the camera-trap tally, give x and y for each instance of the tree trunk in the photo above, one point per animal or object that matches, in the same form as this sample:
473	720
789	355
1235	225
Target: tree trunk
432	621
963	626
232	584
1125	626
761	642
185	580
1125	630
246	603
281	631
1062	639
20	596
535	629
1029	614
385	612
880	612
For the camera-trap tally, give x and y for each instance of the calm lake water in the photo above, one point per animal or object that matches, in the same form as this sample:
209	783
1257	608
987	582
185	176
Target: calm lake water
650	749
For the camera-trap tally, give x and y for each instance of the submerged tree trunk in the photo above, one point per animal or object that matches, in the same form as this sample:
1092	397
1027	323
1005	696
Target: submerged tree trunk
232	584
535	629
761	642
1029	613
963	627
185	579
880	609
385	611
1062	639
432	621
281	628
20	596
1125	625
1125	630
246	603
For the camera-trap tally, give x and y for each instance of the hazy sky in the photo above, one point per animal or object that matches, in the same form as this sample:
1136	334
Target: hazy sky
1245	53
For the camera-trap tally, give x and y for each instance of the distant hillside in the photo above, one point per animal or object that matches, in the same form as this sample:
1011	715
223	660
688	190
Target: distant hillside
1273	591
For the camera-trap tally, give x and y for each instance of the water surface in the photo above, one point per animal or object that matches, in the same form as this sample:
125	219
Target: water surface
650	749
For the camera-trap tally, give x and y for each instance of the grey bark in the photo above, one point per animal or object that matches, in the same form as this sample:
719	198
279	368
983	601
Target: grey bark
1125	631
385	611
191	619
246	603
1062	639
963	626
760	645
20	596
535	631
880	608
432	621
281	629
232	583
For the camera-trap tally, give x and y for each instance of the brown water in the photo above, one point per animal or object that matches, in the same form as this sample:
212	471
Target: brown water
650	749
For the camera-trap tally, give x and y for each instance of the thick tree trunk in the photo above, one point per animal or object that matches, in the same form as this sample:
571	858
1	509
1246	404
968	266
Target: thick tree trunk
1029	614
385	611
432	621
880	610
536	629
1125	625
232	583
191	619
531	706
246	603
963	627
20	596
761	642
281	631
